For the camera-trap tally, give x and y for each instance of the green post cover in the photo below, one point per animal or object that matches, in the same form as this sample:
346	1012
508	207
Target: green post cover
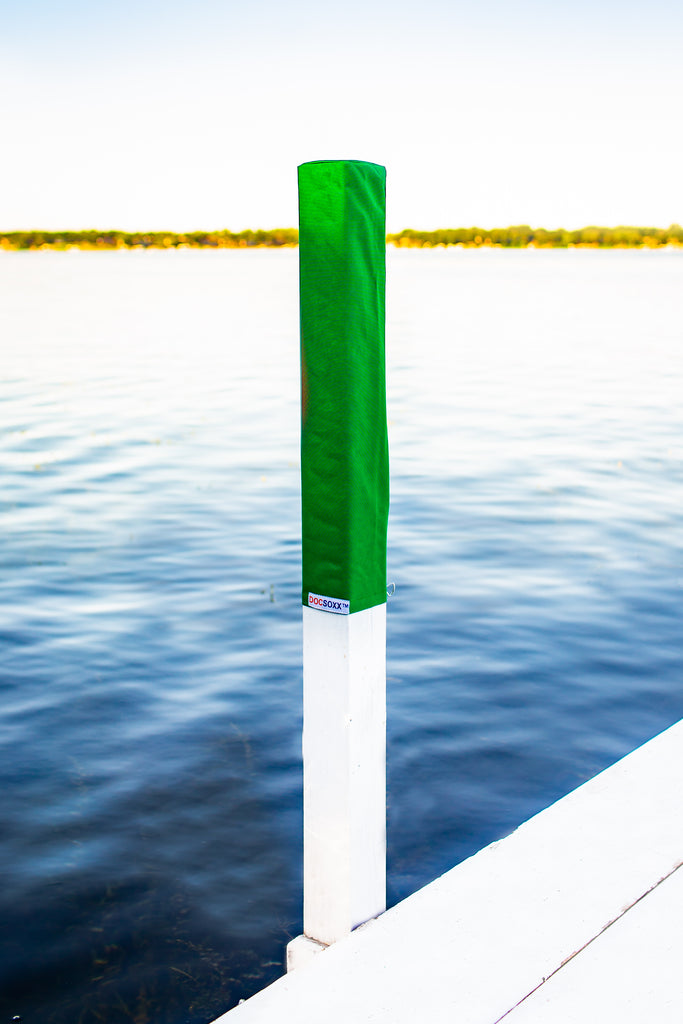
344	449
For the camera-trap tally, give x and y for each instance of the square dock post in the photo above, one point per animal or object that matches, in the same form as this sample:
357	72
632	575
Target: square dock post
345	503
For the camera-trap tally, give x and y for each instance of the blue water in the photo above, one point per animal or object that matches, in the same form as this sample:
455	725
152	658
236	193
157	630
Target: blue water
150	652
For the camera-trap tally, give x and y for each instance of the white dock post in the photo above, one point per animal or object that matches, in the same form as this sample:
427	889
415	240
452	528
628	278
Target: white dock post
344	770
345	497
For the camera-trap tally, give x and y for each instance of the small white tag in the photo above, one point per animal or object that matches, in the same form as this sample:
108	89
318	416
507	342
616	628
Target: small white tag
328	604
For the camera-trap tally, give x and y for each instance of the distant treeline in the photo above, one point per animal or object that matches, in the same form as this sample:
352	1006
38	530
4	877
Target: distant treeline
523	236
277	237
518	237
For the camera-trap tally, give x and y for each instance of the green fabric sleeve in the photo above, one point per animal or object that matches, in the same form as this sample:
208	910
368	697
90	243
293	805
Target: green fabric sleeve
344	449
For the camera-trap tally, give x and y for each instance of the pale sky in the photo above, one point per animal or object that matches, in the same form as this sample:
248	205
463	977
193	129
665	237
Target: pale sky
152	114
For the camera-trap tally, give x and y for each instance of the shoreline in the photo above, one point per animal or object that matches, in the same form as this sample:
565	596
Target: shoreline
519	237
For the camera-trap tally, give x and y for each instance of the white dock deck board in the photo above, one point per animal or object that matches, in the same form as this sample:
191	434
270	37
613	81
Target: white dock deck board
631	974
481	940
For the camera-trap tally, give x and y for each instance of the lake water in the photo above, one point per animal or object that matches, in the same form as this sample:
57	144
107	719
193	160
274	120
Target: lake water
150	649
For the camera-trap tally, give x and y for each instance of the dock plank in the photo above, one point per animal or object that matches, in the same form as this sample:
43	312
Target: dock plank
474	944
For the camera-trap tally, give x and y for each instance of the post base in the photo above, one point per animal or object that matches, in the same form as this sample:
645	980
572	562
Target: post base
301	951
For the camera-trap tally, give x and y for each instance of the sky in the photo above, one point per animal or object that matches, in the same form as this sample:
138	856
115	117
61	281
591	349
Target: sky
162	114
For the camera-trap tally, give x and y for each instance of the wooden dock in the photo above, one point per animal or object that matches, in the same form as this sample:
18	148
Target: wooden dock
574	917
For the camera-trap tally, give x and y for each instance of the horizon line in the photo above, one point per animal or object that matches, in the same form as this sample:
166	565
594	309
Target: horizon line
514	236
